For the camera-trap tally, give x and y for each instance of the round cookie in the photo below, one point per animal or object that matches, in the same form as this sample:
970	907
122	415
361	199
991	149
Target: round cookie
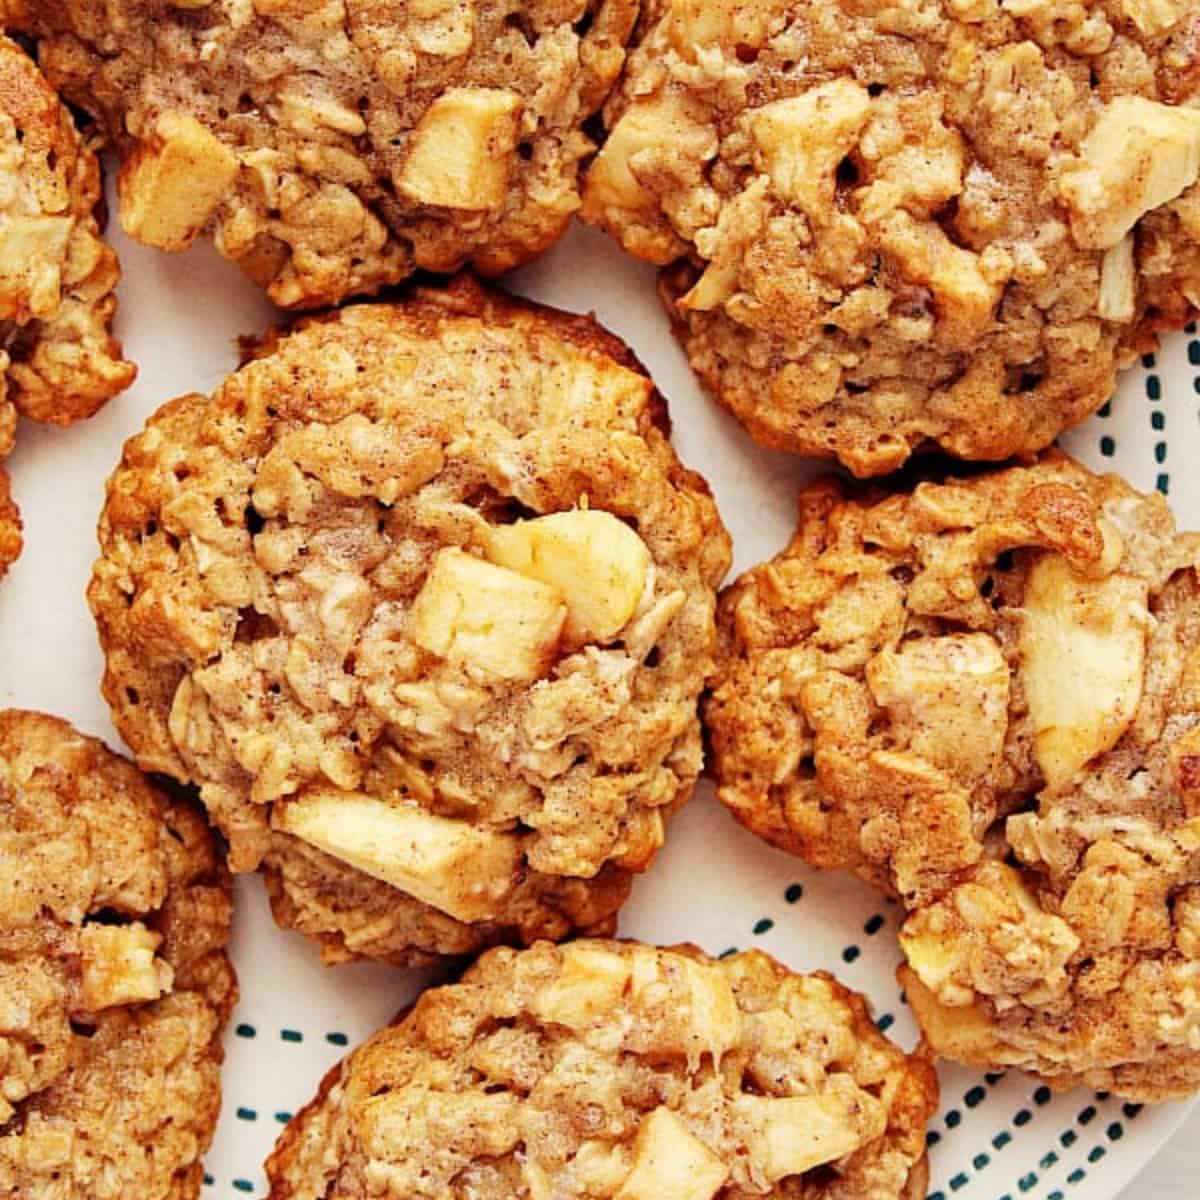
612	1069
58	360
983	696
888	227
334	148
114	982
423	601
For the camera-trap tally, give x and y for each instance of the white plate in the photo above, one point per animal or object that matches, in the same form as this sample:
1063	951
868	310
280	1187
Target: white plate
715	884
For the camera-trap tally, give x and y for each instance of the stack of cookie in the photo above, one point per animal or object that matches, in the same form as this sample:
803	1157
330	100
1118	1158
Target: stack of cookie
419	610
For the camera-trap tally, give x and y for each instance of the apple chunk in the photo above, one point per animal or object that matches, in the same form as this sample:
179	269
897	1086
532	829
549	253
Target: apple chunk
173	182
1139	155
120	965
1083	652
588	988
484	616
669	1161
461	151
593	559
794	1134
450	865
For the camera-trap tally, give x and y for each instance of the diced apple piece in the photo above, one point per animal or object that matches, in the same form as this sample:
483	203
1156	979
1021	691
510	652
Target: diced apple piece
669	1161
664	122
794	1134
936	957
461	150
610	181
1155	17
963	295
1083	651
714	1017
536	1180
595	561
481	615
712	289
1118	283
940	941
803	138
948	698
120	966
1140	154
702	1014
32	250
450	865
701	23
964	1034
394	1123
171	184
589	986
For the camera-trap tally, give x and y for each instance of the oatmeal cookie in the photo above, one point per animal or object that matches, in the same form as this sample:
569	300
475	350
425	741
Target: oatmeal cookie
10	526
114	983
423	601
58	360
892	226
983	696
334	147
611	1069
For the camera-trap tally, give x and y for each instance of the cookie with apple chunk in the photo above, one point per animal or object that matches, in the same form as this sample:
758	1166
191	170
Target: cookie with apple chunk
333	149
422	600
613	1069
983	696
889	227
59	362
114	979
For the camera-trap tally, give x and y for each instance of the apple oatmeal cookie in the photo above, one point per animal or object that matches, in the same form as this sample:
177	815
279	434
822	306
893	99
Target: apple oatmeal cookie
58	360
423	602
334	147
889	226
10	525
612	1069
114	983
983	696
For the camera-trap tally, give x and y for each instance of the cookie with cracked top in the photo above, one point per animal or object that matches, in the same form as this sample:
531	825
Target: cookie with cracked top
983	696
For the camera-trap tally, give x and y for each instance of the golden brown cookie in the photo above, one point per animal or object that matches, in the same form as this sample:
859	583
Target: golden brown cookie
893	226
58	360
10	526
333	148
983	696
423	601
114	982
612	1069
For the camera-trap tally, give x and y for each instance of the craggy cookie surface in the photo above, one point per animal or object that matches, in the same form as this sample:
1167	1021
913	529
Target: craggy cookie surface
58	360
114	983
335	147
898	224
609	1069
423	601
984	697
